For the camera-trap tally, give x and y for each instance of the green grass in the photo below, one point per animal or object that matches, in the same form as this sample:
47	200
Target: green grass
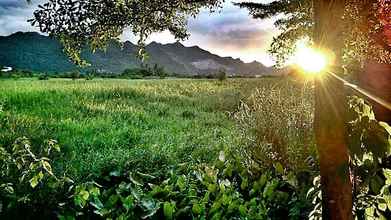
112	124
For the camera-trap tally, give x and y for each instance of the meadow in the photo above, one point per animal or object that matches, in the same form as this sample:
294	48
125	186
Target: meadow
178	137
105	124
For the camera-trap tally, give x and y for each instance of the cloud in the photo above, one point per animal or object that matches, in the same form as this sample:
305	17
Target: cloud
12	3
14	15
233	32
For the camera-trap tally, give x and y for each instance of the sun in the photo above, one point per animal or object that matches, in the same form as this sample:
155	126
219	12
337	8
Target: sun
309	59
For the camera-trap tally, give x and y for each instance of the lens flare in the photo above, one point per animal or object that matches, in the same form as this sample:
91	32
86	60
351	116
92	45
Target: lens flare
309	59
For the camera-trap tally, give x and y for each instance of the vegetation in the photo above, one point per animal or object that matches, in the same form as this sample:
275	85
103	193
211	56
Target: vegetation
361	26
163	133
354	170
154	149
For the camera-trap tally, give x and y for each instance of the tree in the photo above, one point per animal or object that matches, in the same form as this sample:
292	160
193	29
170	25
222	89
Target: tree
221	75
295	23
330	108
159	71
351	29
95	22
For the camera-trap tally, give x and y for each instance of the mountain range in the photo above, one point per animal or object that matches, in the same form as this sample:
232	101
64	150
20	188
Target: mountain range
36	52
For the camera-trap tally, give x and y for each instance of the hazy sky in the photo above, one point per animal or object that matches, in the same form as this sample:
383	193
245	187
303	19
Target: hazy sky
229	32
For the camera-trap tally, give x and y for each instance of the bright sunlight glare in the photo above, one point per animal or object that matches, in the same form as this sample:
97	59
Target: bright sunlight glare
309	59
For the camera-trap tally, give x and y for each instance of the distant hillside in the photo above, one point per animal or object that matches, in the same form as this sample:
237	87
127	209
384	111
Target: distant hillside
32	51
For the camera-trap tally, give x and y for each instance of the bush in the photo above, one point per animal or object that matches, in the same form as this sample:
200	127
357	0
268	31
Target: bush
222	190
75	75
221	75
43	77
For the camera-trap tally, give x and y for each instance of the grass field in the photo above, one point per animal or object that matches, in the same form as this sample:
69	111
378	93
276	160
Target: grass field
107	124
174	148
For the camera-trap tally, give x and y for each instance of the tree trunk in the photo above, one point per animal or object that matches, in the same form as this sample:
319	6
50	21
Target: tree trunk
330	108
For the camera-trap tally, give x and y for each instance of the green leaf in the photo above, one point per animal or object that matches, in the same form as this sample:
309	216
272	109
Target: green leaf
84	194
387	174
149	206
378	140
168	210
370	212
181	183
97	203
94	191
79	201
47	167
111	202
212	188
382	206
376	184
133	180
34	181
279	168
244	183
128	202
262	181
242	210
9	189
387	198
269	189
196	209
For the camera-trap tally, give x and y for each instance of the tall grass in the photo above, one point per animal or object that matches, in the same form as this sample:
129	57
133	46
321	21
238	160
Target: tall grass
276	119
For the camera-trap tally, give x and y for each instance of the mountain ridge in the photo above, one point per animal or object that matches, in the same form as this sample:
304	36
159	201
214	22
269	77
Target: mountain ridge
33	51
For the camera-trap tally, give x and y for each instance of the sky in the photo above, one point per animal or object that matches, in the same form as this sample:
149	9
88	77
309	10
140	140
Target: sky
229	32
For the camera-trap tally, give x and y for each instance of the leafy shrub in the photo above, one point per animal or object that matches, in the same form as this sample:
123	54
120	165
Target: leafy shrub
222	190
27	179
75	75
225	190
370	149
43	77
221	75
370	165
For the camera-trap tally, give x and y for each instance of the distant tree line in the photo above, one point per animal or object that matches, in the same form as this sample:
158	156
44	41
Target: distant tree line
145	71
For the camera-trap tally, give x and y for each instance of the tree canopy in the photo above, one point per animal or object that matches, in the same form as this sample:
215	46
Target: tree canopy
363	23
95	22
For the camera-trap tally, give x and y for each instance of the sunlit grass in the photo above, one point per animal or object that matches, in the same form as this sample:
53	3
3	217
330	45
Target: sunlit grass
103	124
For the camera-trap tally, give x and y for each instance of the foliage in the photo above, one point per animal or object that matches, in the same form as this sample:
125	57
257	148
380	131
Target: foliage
365	38
277	121
370	147
295	21
221	75
24	176
223	191
176	178
43	77
159	71
80	22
